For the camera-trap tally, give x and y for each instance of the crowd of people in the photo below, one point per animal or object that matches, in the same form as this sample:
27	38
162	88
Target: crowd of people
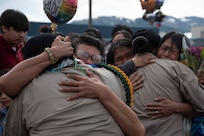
77	84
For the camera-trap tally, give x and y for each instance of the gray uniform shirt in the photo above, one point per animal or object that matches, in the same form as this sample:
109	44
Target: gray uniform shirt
175	81
42	110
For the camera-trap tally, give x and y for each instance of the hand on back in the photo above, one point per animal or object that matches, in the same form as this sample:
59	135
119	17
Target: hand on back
85	86
140	60
201	78
136	80
161	107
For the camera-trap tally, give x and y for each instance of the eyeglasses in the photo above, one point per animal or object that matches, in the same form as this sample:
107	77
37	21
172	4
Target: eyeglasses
83	55
169	49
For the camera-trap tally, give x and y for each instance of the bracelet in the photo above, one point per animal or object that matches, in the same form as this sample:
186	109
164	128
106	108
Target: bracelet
51	56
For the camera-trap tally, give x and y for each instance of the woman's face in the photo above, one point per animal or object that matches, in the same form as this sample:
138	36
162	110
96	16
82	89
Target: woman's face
118	37
122	54
168	51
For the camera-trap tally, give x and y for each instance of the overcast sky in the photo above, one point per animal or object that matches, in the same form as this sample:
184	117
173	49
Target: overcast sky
130	9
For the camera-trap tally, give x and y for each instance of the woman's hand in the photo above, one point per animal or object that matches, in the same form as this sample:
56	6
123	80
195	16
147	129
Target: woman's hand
201	78
136	80
85	86
161	107
141	60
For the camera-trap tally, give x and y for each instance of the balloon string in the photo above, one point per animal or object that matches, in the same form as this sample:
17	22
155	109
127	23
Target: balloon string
53	28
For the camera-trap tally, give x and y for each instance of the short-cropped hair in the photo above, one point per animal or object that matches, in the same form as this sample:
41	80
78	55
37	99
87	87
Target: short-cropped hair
14	18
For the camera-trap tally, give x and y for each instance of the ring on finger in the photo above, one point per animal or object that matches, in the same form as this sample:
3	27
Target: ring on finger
157	112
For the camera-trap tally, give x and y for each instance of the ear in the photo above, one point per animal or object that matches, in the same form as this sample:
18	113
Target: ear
4	29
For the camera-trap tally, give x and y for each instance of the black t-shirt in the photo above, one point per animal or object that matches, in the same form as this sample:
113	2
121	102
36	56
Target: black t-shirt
128	67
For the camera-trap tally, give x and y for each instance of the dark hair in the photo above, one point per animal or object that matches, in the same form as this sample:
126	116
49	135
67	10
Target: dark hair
119	27
145	41
93	32
176	39
92	41
36	45
44	29
74	37
118	44
125	33
16	19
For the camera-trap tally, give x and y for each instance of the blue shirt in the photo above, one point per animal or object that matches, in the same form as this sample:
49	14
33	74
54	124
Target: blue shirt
3	112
